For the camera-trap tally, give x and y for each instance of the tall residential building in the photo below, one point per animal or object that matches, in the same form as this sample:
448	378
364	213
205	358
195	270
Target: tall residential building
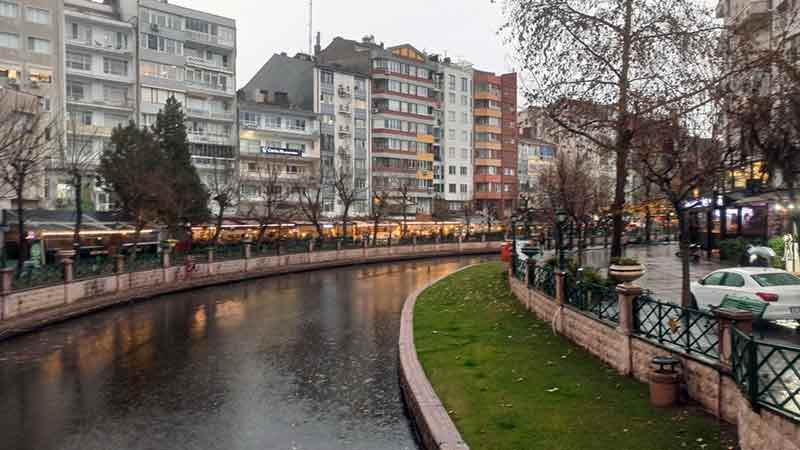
31	59
454	156
495	142
100	71
404	104
343	100
191	55
279	132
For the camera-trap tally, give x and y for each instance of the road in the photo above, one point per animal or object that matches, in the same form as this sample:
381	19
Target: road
305	361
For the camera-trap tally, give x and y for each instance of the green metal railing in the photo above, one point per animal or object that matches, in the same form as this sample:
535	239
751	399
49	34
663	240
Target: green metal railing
519	268
592	298
693	331
227	252
767	373
147	261
92	267
31	277
543	279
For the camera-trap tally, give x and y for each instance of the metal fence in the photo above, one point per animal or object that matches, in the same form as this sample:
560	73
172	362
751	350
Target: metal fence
227	252
542	279
592	298
695	332
92	267
38	276
767	373
519	268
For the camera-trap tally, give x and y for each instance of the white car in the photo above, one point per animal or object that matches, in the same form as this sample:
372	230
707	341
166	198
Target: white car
778	288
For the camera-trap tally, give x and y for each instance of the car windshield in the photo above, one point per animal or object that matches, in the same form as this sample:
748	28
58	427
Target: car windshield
776	279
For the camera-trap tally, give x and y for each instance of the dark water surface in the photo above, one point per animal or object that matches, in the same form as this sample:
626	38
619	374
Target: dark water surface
306	361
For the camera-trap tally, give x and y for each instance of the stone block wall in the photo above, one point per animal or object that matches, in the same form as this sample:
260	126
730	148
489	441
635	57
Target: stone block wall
27	301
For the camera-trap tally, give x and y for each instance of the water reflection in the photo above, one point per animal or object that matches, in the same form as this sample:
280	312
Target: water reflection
304	361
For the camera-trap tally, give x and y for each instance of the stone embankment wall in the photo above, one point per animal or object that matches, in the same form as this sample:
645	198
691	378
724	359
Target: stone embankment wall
24	310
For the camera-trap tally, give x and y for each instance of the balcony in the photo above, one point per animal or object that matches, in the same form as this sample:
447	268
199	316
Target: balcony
344	109
344	91
207	64
206	114
205	38
480	128
209	89
487	95
488	112
126	104
98	46
249	124
199	136
88	130
345	130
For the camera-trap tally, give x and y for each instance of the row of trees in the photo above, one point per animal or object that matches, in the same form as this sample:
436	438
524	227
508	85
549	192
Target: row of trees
665	89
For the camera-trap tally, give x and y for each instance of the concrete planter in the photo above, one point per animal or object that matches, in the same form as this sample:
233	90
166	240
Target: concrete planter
626	274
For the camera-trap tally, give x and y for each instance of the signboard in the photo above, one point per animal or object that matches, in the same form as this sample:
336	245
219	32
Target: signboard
266	149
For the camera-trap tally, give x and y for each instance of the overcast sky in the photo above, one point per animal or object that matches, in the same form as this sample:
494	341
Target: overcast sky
461	28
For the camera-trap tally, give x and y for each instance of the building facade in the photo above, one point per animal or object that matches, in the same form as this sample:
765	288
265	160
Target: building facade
403	117
343	101
279	137
191	55
495	143
455	156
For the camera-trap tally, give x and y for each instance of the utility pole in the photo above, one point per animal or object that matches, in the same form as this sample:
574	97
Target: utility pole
310	27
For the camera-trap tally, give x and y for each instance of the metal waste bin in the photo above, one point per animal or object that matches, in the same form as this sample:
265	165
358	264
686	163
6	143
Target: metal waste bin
664	382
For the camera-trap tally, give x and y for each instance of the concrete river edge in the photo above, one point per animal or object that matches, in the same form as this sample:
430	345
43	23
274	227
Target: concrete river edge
302	361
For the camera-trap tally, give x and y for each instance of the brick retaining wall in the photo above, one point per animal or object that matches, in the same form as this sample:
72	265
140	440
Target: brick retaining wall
25	310
708	382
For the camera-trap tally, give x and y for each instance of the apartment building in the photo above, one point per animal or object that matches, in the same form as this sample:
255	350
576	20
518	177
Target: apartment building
191	55
343	101
453	165
403	116
100	90
279	137
495	143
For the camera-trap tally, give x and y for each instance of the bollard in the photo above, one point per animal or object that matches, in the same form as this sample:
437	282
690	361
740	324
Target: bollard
664	382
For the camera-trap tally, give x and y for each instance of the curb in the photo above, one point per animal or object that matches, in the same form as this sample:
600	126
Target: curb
434	426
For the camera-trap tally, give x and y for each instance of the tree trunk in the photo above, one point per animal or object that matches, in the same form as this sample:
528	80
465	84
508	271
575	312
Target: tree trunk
22	247
684	247
648	225
345	215
76	237
318	227
218	229
375	231
262	230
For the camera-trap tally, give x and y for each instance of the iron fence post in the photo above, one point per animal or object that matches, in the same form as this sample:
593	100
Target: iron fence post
752	384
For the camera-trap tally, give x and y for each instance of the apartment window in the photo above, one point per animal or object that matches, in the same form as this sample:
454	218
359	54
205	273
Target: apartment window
464	100
252	167
464	171
464	117
464	136
272	121
9	40
465	85
79	61
451	82
115	67
115	95
37	15
75	90
451	188
161	44
40	76
451	153
9	9
85	117
451	116
451	133
464	153
451	170
297	124
79	32
327	77
37	45
452	98
464	189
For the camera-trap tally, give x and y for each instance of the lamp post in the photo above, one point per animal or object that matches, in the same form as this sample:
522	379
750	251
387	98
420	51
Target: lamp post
514	245
561	218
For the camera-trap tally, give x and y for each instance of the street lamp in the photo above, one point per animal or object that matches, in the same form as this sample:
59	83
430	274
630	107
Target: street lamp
561	218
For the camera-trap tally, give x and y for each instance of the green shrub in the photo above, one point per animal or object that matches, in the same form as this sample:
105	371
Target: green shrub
625	261
777	245
777	263
732	249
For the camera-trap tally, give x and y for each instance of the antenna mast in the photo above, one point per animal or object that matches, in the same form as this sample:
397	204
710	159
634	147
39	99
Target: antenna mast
310	26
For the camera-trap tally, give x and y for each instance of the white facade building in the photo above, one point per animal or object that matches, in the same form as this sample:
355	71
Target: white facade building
456	154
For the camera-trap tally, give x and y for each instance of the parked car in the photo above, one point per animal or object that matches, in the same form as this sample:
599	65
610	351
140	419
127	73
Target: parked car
778	288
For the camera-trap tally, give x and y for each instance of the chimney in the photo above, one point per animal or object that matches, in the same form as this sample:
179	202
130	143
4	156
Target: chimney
317	47
283	54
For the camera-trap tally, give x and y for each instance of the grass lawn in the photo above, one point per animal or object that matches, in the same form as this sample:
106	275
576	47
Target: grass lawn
510	383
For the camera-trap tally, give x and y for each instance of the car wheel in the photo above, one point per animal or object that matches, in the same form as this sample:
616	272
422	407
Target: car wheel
693	302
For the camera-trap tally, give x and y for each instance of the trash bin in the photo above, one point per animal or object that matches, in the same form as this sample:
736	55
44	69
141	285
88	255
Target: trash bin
664	382
505	252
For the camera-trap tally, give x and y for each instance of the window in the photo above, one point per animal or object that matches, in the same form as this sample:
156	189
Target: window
451	170
9	40
37	15
463	171
85	117
8	9
715	279
79	32
733	280
464	100
451	116
115	95
40	76
452	98
451	188
79	61
115	67
451	82
451	133
75	90
161	44
451	153
464	189
37	45
464	136
464	153
297	124
464	117
776	279
252	167
327	77
465	85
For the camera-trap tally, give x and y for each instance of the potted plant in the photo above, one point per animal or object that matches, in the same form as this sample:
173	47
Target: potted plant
625	270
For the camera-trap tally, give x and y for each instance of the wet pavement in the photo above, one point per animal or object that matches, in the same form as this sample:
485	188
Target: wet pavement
305	361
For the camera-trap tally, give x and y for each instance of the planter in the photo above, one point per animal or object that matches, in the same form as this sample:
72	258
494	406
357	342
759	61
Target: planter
626	274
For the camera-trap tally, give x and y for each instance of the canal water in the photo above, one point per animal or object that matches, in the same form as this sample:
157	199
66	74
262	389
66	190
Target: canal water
305	361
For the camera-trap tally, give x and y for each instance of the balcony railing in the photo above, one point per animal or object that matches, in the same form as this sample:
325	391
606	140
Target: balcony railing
96	45
209	138
207	64
117	103
208	87
222	115
207	38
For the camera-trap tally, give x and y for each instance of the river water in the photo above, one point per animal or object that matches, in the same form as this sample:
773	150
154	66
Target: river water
305	361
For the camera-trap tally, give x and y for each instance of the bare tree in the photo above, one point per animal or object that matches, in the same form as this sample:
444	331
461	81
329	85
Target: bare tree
467	211
310	193
223	187
380	207
679	162
346	191
25	146
402	200
603	67
272	204
78	159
